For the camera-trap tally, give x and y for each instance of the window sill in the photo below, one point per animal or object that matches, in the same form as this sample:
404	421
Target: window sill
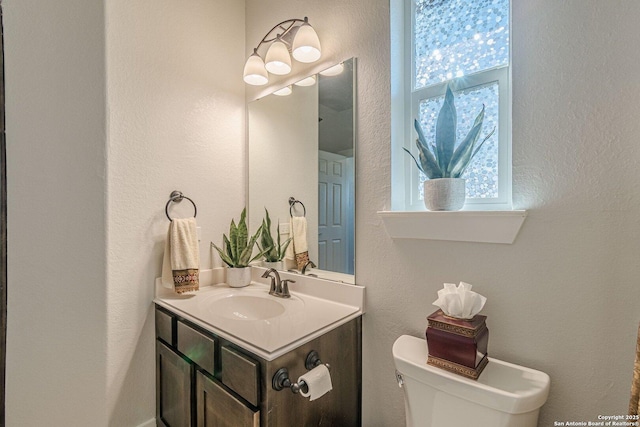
460	226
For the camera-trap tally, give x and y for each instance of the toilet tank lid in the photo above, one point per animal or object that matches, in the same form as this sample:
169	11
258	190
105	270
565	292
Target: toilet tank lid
502	386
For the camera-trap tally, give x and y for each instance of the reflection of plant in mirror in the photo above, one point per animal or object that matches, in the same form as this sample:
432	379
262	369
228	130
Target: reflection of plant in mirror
238	247
440	160
273	251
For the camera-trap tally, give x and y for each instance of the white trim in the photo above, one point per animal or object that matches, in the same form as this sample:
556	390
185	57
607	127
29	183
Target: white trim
398	90
460	226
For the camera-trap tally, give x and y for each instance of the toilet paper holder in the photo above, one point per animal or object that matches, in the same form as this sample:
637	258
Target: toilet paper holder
281	379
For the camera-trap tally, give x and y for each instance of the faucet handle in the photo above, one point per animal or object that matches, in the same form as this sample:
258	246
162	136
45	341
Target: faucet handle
285	288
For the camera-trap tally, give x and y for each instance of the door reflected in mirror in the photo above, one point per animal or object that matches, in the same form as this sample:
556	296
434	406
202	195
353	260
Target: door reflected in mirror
302	146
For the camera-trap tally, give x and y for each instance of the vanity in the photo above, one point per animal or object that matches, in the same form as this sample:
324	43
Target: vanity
220	351
233	357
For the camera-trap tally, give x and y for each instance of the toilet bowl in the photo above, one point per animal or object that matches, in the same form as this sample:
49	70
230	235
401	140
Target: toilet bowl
505	395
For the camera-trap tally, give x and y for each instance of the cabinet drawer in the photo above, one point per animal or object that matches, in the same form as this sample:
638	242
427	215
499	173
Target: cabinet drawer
163	326
241	374
198	347
215	407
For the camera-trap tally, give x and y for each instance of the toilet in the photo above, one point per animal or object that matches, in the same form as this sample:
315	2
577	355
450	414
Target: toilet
505	395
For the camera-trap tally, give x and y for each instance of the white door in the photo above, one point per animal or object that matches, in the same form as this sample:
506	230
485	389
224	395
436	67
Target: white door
332	209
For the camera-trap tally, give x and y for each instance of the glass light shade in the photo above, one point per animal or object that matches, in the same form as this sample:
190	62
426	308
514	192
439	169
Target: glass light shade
278	60
309	81
333	71
287	90
306	45
254	71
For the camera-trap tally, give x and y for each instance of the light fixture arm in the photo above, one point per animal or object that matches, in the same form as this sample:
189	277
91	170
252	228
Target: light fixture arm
291	38
285	26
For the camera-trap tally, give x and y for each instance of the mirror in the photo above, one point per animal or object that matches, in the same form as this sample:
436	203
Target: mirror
302	145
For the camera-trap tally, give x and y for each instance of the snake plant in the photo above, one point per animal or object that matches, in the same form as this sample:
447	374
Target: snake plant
238	247
443	159
273	251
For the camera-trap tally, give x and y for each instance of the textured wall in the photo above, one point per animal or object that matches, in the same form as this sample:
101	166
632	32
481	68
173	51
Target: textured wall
94	149
55	104
563	298
176	122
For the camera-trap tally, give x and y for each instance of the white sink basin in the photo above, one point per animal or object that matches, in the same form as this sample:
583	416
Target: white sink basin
245	307
247	304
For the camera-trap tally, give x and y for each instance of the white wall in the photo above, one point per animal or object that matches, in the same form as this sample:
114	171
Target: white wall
176	122
150	95
563	298
56	124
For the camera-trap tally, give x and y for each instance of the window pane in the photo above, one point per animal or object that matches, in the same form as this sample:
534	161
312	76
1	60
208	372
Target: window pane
454	38
482	173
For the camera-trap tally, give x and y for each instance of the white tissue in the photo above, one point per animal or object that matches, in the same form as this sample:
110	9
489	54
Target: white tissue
459	301
318	381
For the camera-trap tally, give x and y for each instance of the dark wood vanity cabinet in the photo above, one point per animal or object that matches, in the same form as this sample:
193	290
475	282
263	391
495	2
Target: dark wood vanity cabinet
205	380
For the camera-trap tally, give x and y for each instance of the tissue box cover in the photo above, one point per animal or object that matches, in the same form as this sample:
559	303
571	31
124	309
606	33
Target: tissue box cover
457	345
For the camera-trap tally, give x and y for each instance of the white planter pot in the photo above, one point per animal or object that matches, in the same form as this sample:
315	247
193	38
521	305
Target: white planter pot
277	265
238	277
444	194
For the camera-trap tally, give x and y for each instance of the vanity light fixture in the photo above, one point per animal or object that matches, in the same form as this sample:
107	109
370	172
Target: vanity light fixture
254	71
333	71
278	60
293	35
306	45
285	91
308	81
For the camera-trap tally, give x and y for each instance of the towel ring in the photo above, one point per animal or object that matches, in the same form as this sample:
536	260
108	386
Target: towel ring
176	197
292	202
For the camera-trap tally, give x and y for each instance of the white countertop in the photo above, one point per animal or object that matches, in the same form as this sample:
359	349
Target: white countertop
316	307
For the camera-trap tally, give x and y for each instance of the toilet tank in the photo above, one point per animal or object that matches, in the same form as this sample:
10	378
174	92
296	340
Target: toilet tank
505	395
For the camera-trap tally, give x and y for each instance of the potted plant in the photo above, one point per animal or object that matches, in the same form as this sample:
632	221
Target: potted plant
443	163
273	251
237	250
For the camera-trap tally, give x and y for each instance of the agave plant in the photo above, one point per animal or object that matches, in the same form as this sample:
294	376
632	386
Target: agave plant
443	159
273	251
238	247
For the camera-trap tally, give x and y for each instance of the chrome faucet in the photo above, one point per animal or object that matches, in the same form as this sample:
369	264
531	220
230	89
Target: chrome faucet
309	263
279	288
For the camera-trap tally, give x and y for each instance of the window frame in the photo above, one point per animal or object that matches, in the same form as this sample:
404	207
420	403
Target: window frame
412	99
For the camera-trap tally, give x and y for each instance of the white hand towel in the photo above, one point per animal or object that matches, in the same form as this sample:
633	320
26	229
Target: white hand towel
290	254
300	245
181	263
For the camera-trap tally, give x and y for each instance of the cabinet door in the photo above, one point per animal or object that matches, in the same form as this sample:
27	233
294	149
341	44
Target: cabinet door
216	407
173	384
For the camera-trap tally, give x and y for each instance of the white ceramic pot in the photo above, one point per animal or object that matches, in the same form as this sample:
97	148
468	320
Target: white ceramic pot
277	265
238	277
444	194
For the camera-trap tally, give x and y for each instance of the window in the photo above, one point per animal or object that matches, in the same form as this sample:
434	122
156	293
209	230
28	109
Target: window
466	44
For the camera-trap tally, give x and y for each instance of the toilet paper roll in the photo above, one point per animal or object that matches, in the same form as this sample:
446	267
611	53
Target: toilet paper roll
318	381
